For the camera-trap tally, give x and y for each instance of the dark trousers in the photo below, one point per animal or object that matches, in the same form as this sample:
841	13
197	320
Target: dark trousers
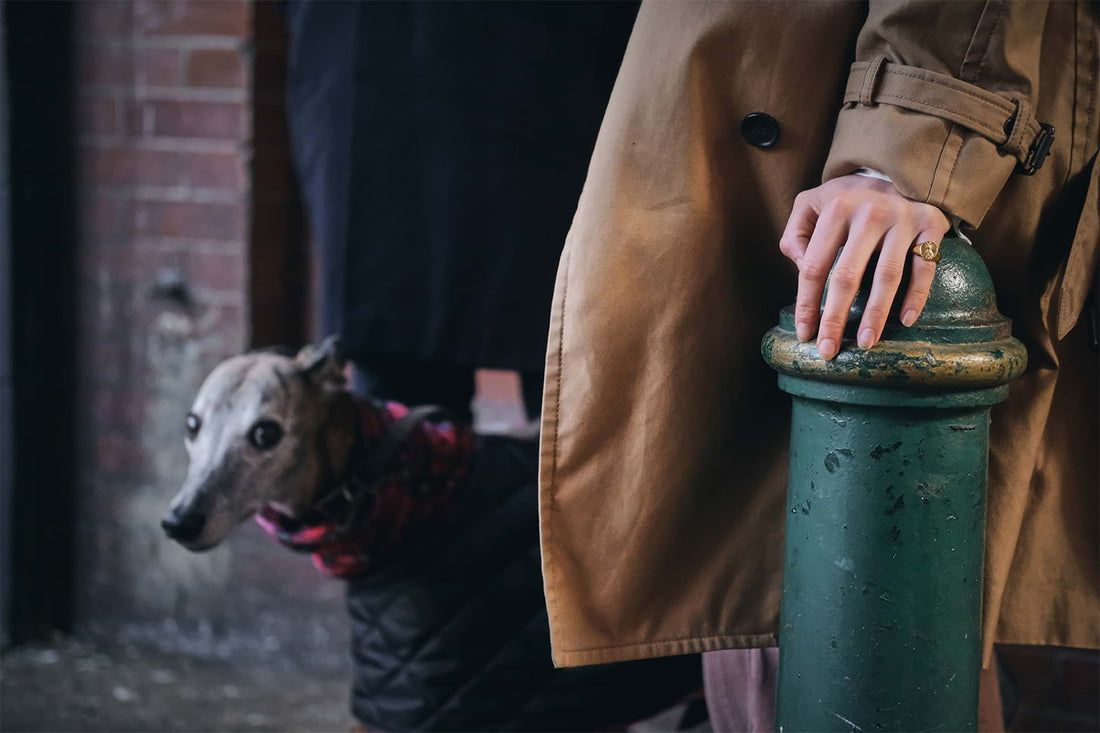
424	383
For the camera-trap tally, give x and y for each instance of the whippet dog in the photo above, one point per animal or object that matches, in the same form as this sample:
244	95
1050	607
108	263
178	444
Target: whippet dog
449	521
263	431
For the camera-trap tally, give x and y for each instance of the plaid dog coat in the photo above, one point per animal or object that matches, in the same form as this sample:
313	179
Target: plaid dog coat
381	499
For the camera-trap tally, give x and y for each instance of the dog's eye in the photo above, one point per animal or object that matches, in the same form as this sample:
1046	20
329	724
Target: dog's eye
265	434
193	425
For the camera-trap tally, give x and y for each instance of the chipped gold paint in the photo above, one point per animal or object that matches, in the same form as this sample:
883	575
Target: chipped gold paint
900	363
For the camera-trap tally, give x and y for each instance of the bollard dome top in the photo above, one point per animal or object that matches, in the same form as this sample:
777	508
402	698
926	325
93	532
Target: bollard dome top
961	341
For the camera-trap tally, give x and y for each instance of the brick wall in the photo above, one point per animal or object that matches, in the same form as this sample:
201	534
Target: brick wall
185	223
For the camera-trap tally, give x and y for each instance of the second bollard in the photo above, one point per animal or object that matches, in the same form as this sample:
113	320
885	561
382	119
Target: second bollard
880	624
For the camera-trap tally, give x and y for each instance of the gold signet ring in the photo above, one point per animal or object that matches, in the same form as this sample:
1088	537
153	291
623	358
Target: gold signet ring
928	251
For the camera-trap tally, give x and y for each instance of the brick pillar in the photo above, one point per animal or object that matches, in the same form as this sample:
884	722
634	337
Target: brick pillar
175	185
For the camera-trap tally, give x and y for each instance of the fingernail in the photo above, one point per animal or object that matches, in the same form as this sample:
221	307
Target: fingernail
909	317
827	348
866	338
802	331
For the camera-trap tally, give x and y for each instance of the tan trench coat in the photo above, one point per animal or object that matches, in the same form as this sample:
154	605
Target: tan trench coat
664	437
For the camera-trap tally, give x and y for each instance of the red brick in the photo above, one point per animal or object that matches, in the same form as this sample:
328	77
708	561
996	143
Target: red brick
116	453
202	269
103	218
134	166
111	166
218	272
103	17
184	219
96	115
104	64
123	65
159	67
193	17
105	358
147	266
228	320
96	257
216	68
210	120
137	119
105	294
116	409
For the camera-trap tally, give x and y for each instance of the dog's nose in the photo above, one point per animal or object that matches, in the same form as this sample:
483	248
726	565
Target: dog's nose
185	528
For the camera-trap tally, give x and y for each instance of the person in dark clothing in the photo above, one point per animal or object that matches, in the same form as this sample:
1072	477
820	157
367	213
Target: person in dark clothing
441	149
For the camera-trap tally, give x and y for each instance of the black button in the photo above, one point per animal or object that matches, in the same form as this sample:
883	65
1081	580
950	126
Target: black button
760	130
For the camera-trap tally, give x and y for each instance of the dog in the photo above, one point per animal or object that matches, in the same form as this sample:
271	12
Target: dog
260	433
435	530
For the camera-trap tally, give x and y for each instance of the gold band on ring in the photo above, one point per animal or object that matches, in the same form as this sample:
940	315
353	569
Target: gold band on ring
928	251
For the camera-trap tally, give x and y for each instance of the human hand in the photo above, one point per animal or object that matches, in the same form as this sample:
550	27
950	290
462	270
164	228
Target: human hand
864	214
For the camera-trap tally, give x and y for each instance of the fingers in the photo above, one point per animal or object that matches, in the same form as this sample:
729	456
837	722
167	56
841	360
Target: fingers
863	214
845	281
891	264
920	282
800	226
813	269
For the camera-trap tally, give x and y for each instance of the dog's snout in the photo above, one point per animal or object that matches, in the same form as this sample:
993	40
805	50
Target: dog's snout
183	528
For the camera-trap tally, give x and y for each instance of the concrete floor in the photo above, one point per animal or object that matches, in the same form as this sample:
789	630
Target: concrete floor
73	685
79	686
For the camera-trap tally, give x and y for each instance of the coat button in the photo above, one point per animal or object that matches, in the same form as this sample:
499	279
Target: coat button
760	130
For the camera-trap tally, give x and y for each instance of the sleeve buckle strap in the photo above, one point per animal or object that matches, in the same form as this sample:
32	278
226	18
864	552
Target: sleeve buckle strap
870	80
1038	151
1008	123
1039	148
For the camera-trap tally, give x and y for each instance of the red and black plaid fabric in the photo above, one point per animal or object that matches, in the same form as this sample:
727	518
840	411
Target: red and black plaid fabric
421	484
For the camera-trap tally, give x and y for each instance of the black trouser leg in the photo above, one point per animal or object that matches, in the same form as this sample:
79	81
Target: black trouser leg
418	383
531	386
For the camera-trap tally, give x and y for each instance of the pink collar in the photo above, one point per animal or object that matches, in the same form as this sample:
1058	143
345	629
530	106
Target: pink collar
419	485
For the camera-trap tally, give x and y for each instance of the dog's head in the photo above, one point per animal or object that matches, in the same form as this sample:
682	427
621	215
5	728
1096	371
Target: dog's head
264	429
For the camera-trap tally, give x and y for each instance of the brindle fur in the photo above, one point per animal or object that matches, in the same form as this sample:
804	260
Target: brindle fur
228	479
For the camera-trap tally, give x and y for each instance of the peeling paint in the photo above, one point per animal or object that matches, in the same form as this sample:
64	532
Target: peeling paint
879	451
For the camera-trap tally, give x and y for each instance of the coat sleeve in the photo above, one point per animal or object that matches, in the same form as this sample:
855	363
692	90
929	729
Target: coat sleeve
940	99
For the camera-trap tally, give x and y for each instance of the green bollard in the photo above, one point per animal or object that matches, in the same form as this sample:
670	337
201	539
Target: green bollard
880	624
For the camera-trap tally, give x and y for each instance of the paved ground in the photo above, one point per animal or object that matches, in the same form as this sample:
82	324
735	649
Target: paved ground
73	685
77	686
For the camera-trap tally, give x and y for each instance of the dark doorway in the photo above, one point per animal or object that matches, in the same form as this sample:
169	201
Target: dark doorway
37	281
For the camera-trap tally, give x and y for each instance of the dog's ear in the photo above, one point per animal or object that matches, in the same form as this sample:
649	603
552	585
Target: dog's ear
324	364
